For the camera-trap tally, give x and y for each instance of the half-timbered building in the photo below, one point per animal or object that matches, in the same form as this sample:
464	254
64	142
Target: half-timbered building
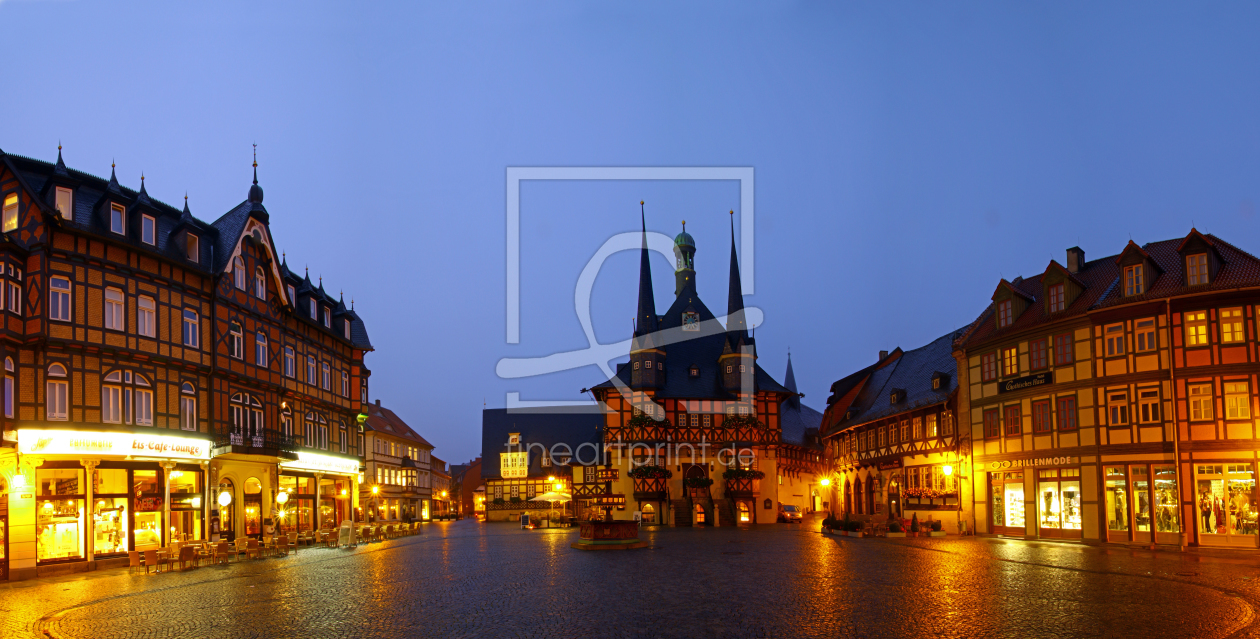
893	441
1115	400
163	374
693	403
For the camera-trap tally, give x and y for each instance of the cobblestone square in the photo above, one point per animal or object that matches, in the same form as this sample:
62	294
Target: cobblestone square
466	579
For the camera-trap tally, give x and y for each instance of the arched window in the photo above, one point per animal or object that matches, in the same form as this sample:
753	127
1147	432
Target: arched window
649	513
247	419
260	349
187	407
58	393
744	515
9	400
260	284
286	422
238	271
126	398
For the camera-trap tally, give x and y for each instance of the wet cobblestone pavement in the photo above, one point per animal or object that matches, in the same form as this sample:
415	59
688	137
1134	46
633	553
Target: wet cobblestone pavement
465	579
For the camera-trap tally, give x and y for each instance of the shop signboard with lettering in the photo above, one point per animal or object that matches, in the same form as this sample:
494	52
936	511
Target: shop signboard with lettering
319	463
1035	461
1026	382
33	441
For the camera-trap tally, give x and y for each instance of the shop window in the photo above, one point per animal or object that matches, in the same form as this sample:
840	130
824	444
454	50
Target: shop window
59	514
1007	502
988	367
1041	416
1117	409
1116	498
1167	504
1196	328
1063	354
1226	497
1148	405
1237	401
1114	336
1037	354
1013	418
1059	500
992	428
1010	362
1201	401
1232	326
1145	335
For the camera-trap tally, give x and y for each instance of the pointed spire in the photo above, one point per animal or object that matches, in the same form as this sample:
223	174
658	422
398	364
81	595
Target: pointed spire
789	382
113	178
143	195
645	318
61	166
735	297
187	212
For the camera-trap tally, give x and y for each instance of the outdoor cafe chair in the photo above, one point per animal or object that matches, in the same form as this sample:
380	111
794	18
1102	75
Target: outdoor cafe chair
241	543
133	561
187	555
252	550
153	562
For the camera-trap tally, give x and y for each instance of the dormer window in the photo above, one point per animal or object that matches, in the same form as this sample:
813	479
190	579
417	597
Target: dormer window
292	295
117	215
314	314
65	202
694	371
238	272
1134	284
896	395
1056	298
1196	269
1004	314
936	383
193	248
148	229
346	326
327	318
940	381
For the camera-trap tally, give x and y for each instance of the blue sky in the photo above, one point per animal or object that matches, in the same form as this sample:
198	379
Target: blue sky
906	155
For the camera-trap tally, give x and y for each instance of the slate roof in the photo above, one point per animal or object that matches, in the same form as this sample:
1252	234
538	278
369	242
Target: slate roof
796	419
546	426
912	372
702	348
1101	279
217	239
386	421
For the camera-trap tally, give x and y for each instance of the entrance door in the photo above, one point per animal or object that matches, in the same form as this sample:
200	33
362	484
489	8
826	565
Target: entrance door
1226	497
1116	509
697	471
1007	503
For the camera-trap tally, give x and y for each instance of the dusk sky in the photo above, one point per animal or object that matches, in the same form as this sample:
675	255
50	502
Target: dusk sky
906	157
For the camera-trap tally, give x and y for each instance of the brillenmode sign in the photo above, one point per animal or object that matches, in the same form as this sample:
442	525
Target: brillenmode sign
1037	461
1026	382
82	442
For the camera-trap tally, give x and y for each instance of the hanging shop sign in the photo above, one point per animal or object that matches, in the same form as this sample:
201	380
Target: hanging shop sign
1026	382
1037	461
316	462
83	442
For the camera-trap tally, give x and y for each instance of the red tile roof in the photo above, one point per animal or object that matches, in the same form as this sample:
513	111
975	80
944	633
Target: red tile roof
1101	282
385	421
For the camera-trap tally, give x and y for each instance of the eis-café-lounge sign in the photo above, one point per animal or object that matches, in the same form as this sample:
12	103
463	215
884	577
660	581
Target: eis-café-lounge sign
75	442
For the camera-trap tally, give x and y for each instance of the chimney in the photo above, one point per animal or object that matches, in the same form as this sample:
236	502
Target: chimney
1075	259
882	355
378	403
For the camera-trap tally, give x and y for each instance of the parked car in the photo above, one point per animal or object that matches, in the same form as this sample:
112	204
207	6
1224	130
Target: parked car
789	514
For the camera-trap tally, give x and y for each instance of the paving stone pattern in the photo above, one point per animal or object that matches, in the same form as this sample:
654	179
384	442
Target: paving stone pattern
467	579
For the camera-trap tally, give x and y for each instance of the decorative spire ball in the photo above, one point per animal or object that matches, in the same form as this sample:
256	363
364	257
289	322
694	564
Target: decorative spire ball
684	226
255	191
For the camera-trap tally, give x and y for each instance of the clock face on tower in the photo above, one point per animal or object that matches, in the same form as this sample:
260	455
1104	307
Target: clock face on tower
691	321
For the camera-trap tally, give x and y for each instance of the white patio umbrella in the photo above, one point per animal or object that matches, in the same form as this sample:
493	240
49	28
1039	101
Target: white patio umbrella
553	496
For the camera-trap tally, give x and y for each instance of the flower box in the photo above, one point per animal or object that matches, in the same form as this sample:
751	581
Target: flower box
896	535
937	533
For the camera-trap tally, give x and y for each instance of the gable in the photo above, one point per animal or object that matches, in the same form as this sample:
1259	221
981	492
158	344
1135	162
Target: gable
262	235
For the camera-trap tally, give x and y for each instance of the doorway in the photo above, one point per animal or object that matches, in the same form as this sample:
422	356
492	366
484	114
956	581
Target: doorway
1006	503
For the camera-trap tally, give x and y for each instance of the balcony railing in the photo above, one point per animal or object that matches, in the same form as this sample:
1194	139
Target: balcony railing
266	440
